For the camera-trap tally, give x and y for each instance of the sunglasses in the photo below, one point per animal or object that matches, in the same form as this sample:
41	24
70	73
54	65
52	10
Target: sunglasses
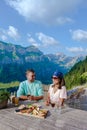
33	75
54	78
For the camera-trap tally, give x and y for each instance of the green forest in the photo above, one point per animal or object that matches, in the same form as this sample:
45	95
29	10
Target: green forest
12	74
77	75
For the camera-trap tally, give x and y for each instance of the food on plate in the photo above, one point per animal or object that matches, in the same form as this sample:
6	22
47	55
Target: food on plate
33	110
21	107
24	111
29	110
42	112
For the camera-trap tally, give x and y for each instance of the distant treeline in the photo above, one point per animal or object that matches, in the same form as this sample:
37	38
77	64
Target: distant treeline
16	72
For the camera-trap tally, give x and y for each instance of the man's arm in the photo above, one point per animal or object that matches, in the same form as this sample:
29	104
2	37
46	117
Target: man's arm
36	98
23	97
30	97
21	93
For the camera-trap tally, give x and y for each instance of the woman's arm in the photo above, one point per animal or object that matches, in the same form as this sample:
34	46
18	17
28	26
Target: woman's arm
61	102
63	95
48	99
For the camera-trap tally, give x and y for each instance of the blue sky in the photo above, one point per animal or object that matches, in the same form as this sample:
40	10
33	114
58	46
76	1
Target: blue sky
51	25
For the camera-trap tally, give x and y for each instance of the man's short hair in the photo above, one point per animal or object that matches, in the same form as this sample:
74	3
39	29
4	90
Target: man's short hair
30	70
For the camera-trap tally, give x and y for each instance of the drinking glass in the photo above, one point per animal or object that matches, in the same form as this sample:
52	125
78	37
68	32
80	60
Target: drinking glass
58	108
16	101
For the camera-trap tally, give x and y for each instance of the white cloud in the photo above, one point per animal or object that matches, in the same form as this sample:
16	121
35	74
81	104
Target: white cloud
46	40
42	40
63	20
33	41
75	49
3	37
45	11
11	32
79	35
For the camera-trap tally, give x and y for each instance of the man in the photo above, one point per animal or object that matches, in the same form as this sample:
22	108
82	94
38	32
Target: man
30	89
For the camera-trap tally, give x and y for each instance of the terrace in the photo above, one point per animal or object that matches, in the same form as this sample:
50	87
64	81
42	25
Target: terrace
69	118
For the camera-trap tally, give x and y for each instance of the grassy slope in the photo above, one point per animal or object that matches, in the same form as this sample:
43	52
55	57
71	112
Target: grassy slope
9	85
77	75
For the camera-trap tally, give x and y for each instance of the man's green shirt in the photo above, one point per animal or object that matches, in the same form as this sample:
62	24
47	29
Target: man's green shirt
30	88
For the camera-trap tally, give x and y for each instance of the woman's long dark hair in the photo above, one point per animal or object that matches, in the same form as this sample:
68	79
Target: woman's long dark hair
61	83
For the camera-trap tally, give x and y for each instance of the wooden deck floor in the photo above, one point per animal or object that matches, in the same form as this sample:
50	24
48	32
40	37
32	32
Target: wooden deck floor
69	119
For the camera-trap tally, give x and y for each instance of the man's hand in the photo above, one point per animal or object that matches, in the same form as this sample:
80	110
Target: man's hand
32	98
28	97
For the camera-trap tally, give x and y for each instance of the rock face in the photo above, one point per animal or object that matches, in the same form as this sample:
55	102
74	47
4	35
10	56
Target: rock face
10	53
77	97
15	59
65	61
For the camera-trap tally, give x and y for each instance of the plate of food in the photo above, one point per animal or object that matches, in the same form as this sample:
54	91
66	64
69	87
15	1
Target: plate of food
34	110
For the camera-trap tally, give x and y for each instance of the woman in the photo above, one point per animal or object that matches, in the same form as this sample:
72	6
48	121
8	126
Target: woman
57	92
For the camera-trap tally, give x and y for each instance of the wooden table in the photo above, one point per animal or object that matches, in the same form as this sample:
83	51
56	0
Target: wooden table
69	119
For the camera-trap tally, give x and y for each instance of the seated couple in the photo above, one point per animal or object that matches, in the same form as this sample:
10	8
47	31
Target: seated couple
32	89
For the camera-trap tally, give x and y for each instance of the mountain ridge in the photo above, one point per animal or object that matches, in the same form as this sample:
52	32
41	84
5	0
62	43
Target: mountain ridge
17	53
15	59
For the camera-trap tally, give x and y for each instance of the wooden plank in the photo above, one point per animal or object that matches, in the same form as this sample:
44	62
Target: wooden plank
71	123
28	122
77	114
6	127
70	119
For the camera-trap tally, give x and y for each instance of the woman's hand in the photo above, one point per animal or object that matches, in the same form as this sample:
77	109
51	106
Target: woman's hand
61	102
47	103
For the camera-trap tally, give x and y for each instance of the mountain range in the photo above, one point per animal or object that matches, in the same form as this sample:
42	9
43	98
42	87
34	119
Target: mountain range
15	59
10	53
66	61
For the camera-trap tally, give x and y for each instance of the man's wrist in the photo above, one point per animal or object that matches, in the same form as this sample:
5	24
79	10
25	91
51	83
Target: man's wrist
35	98
28	97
